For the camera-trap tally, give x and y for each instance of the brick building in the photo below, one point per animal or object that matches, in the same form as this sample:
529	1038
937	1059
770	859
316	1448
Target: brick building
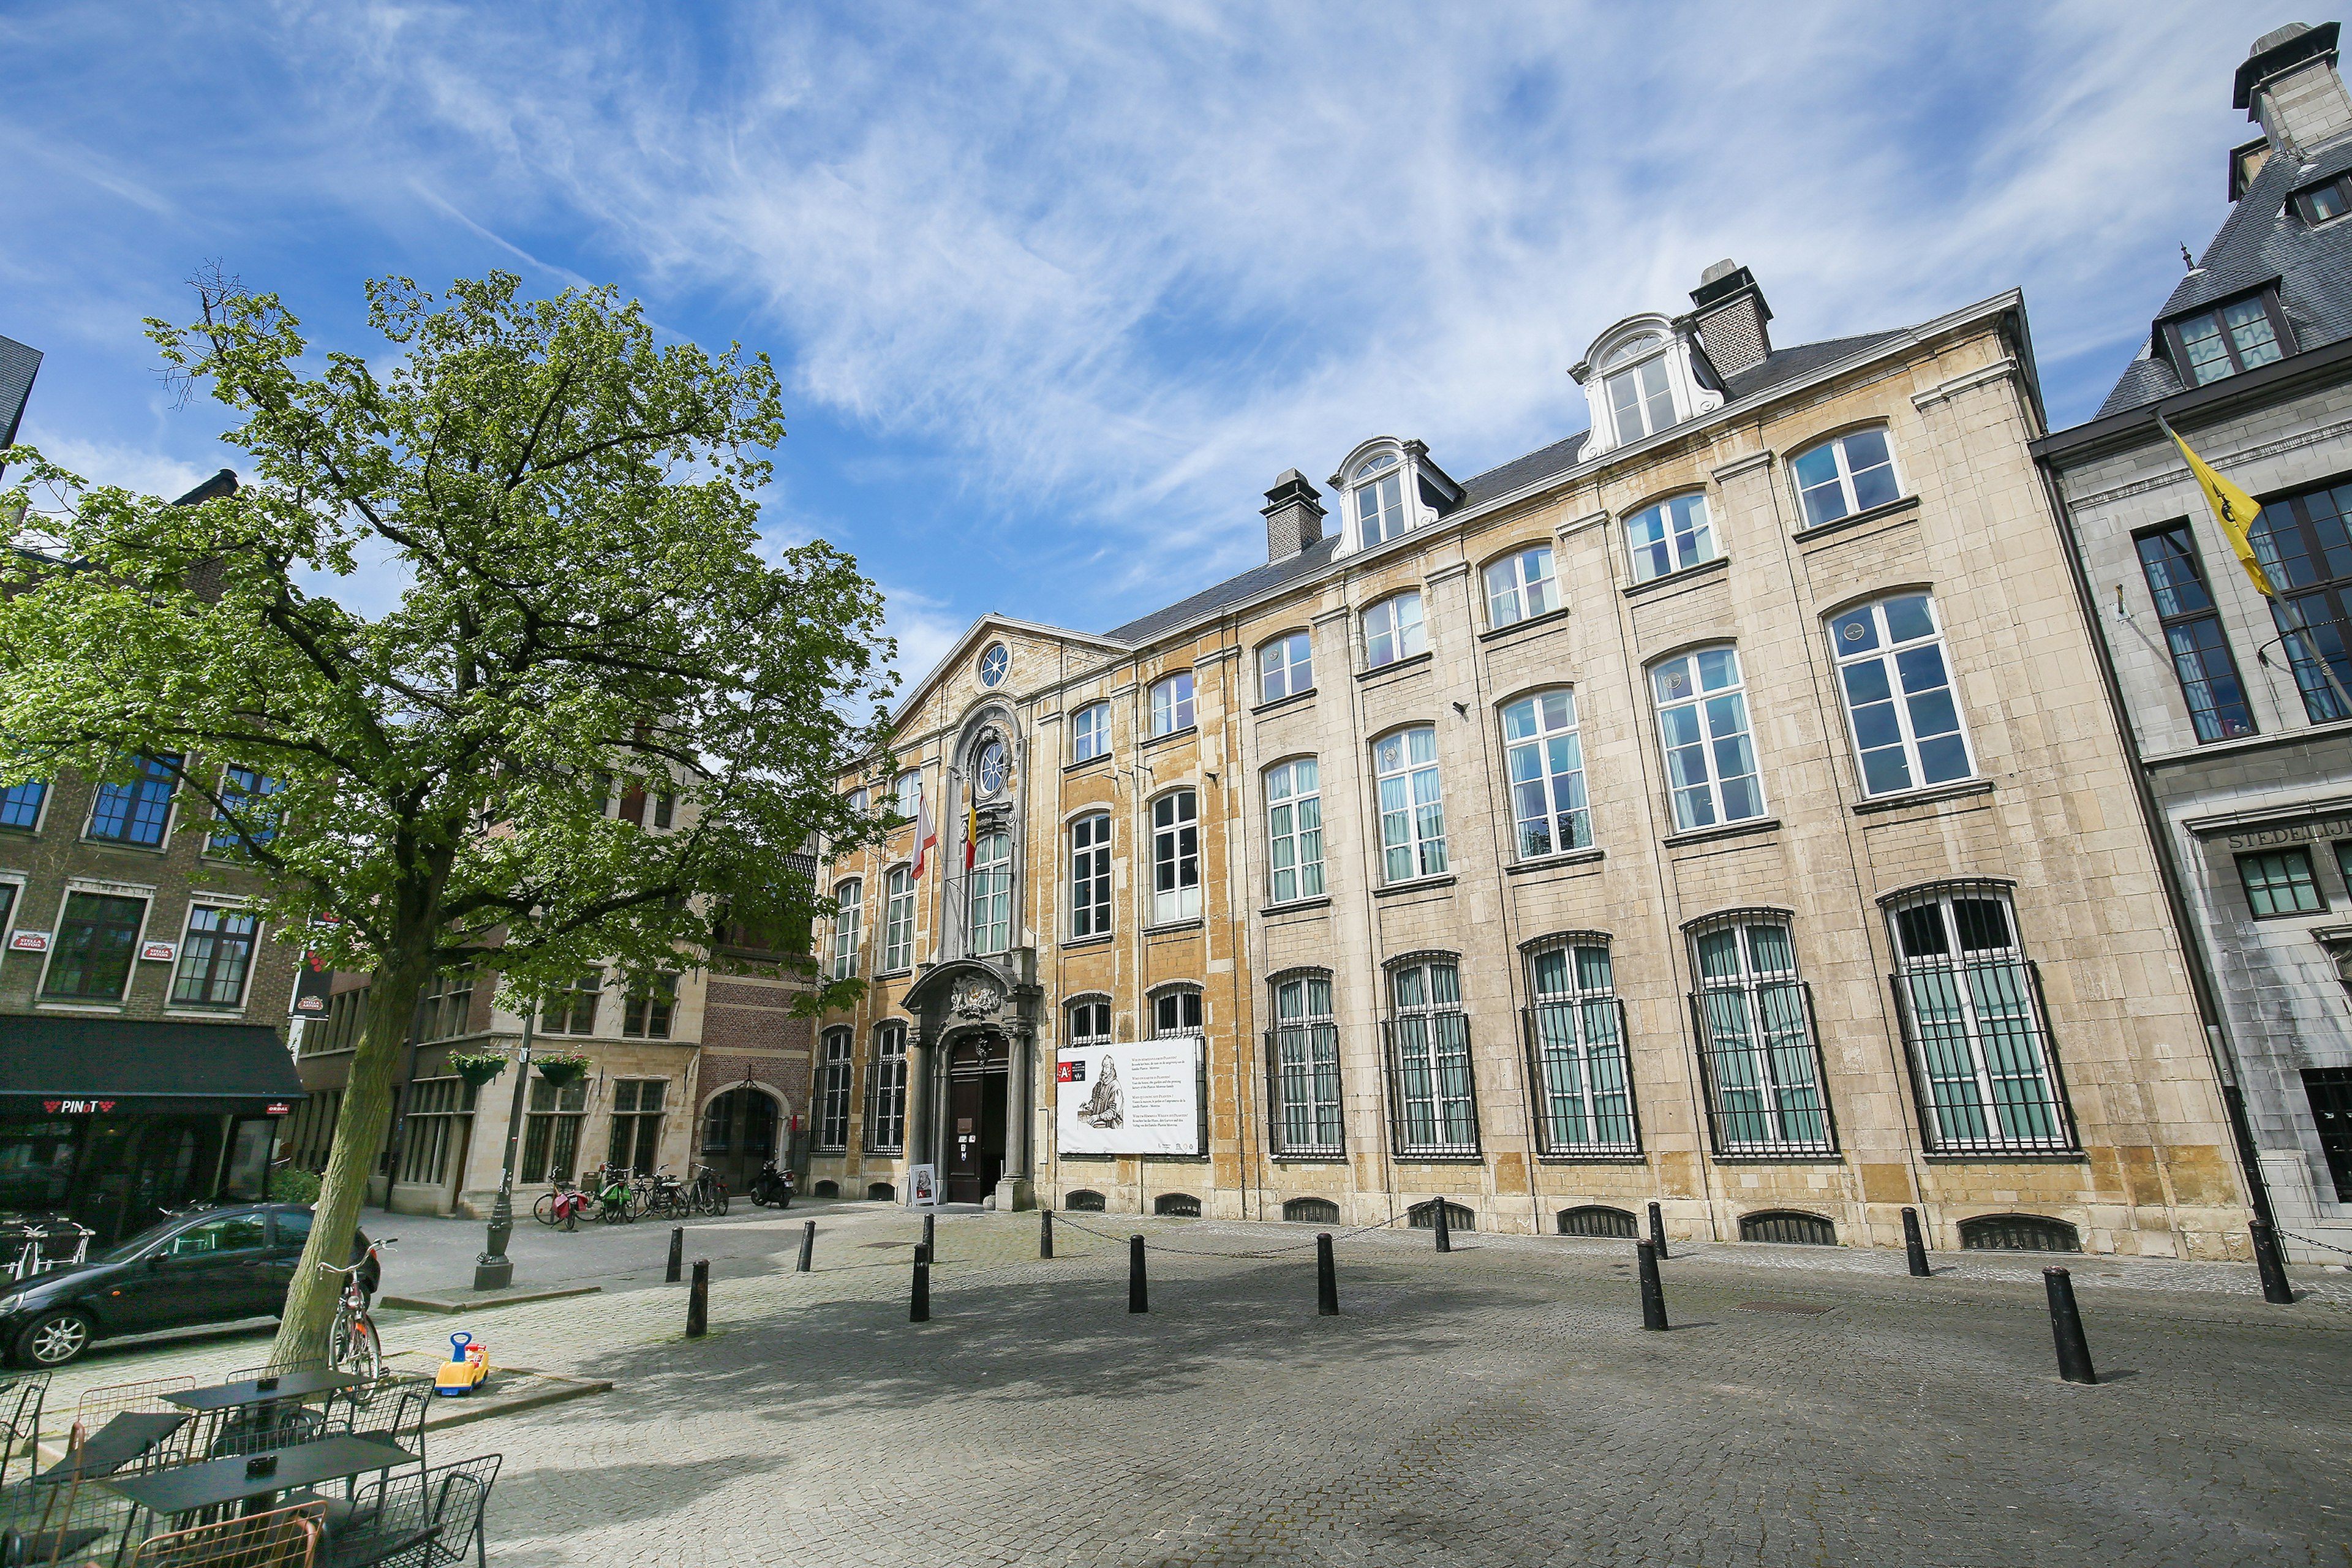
1718	806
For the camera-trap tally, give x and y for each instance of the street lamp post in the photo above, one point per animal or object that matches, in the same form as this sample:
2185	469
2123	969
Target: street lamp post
494	1270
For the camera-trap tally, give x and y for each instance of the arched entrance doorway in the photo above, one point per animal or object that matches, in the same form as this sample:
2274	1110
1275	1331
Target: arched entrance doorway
739	1134
975	1129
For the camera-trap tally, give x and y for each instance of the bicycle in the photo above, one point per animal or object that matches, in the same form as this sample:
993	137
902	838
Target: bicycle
666	1197
616	1203
563	1205
352	1342
709	1193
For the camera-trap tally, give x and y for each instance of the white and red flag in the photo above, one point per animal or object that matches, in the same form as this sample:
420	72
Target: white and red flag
927	836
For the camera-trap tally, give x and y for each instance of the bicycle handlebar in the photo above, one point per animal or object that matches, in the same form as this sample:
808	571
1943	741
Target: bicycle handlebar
373	1247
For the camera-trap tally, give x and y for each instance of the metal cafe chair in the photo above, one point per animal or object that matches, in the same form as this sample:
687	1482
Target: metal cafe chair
97	1408
20	1420
69	1521
419	1518
393	1416
283	1538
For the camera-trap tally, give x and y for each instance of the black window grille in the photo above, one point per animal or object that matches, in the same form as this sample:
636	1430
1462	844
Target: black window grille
833	1093
1302	1053
1423	1217
825	1190
1599	1219
881	1192
1183	1204
885	1090
2192	631
1970	1006
2329	1091
1311	1211
2017	1233
1575	1032
1432	1092
1787	1225
1759	1055
1082	1202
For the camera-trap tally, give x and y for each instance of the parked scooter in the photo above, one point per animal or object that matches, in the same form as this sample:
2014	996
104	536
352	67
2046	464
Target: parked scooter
772	1186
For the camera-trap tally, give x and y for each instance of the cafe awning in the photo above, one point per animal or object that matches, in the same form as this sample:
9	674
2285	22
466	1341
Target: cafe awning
114	1066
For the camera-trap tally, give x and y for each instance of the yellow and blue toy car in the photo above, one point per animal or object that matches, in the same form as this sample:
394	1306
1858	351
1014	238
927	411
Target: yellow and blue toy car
463	1372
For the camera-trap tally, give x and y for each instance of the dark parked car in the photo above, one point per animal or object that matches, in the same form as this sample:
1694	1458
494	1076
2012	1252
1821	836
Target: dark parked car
215	1266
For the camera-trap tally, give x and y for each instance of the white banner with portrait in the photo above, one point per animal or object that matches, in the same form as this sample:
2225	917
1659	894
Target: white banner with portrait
1143	1098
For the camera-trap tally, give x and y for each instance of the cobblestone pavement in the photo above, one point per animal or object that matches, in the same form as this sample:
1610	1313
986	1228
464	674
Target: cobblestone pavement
1498	1404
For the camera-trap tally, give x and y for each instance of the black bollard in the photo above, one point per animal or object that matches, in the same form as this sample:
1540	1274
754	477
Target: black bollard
2066	1327
1138	1298
808	1248
1327	1278
931	1245
1654	1295
676	1254
1444	1231
919	1308
697	1301
1915	1250
2269	1257
1045	1233
1658	1232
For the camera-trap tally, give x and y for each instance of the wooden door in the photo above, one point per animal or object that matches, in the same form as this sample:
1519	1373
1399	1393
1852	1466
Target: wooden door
975	1136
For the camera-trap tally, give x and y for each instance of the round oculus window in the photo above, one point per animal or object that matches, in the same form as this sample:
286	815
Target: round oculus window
993	662
991	765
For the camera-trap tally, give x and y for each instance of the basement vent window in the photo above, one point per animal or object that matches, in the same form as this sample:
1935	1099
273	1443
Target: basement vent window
1183	1206
1311	1211
2017	1233
1082	1202
1597	1219
1781	1226
882	1191
1424	1217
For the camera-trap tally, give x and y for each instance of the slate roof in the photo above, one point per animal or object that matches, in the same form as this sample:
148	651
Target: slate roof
2262	239
1780	367
18	365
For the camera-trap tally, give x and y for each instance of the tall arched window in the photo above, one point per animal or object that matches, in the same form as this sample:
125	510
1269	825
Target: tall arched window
1899	702
898	920
1304	1059
1379	490
1392	630
1294	830
1641	397
1091	876
1432	1092
1412	808
1286	667
1840	477
1576	1028
847	903
1519	586
1982	1053
1703	725
885	1090
1547	764
989	899
833	1093
1763	1068
1175	857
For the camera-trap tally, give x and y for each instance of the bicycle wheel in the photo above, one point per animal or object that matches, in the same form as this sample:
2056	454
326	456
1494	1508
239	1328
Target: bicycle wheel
366	1352
719	1202
544	1211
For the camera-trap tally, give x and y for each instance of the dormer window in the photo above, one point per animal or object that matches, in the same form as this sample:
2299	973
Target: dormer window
1379	499
1641	377
1640	400
2232	337
2321	204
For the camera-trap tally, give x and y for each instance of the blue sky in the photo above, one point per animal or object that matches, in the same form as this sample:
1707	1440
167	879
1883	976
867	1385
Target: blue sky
1058	290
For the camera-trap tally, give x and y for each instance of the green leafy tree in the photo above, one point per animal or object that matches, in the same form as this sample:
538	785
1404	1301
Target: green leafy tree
572	510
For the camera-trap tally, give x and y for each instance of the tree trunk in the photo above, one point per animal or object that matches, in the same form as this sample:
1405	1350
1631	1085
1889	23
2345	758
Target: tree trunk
367	1096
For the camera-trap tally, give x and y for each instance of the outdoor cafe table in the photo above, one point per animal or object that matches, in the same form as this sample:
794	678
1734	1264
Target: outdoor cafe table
184	1489
290	1385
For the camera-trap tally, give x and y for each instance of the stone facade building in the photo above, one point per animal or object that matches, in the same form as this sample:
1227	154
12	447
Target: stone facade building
2238	711
1718	806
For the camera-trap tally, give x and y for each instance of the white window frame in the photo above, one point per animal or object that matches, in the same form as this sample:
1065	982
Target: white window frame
831	1131
849	902
1521	587
1090	732
187	940
1294	830
906	795
1544	770
1172	704
1393	630
2009	1098
1900	669
1377	500
885	1089
1842	483
1092	1006
1681	528
1760	1056
1576	1033
1710	708
40	807
224	840
1636	377
1411	797
1090	865
988	901
897	919
1303	1060
1181	1027
1433	1074
1286	667
1176	856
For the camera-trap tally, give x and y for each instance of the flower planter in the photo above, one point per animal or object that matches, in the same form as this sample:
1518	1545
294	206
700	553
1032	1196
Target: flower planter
478	1070
562	1073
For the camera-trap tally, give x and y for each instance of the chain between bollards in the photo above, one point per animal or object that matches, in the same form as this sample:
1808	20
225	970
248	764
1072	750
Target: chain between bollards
919	1307
1915	1249
1327	1278
1658	1231
1444	1231
1653	1294
697	1301
2067	1328
808	1248
676	1254
2268	1258
1139	1299
1045	1233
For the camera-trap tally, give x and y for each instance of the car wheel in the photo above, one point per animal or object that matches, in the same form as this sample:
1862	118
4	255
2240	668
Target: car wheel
54	1338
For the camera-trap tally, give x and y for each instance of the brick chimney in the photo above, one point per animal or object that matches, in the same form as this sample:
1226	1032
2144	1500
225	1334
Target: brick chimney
1730	316
2289	87
1293	516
